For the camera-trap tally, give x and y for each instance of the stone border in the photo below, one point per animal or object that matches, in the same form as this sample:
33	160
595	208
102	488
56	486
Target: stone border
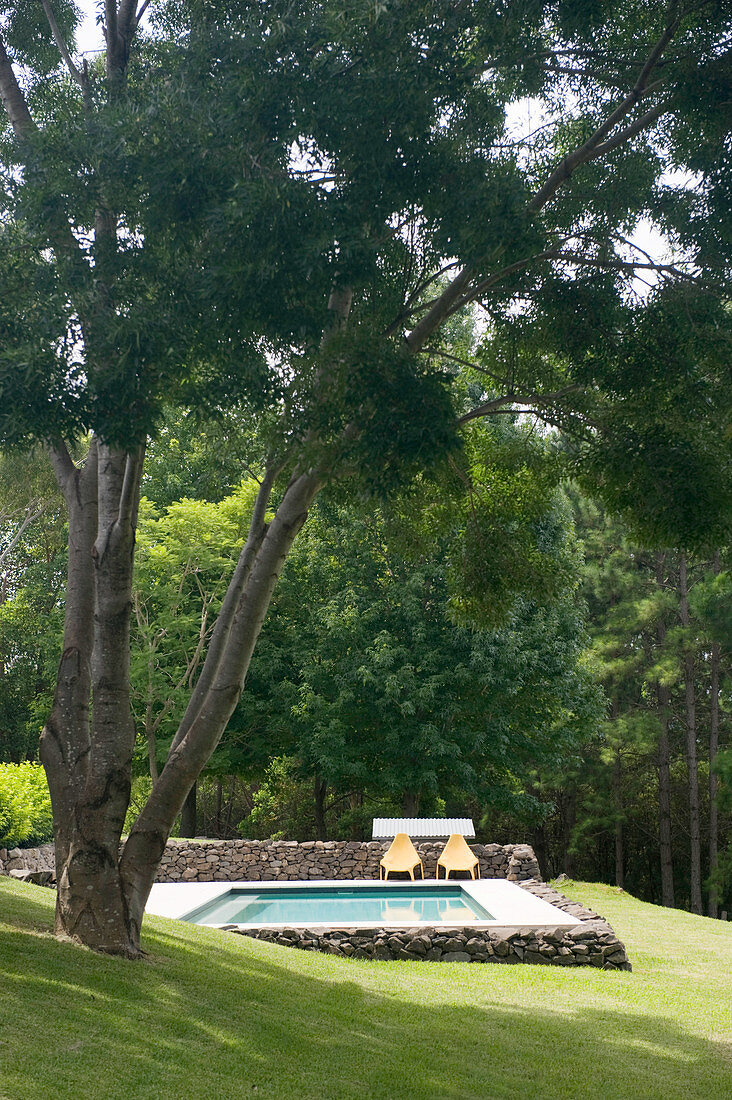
590	943
290	860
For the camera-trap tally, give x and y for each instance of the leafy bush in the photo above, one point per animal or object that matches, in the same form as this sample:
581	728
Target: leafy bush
25	805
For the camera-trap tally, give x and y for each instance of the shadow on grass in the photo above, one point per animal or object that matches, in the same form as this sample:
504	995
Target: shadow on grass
213	1015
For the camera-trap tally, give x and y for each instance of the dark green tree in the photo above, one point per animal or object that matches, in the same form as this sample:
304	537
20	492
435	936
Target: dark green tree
254	205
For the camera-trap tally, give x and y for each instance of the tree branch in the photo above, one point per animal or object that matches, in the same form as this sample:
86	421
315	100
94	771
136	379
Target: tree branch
440	310
455	296
78	76
31	514
497	403
63	466
128	500
13	99
143	8
587	151
229	605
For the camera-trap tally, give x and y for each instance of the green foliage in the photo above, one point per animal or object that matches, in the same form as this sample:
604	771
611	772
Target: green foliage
371	685
32	537
517	530
642	394
25	805
637	651
186	552
283	804
243	197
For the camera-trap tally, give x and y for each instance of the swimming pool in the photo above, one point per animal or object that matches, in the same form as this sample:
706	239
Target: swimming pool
341	905
359	903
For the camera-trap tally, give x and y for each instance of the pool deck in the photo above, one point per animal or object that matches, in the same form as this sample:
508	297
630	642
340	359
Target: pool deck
512	907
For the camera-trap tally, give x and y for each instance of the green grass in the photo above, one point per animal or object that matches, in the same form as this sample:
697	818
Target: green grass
220	1017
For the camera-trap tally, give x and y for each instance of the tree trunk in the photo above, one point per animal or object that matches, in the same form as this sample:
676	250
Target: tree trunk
219	805
355	801
88	753
663	697
618	801
664	797
188	813
87	750
715	656
320	790
220	683
691	754
410	803
569	820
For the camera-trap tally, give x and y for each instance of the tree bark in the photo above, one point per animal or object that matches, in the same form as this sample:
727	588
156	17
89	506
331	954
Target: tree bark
714	660
222	676
88	752
410	803
691	751
618	801
569	820
188	814
663	698
320	791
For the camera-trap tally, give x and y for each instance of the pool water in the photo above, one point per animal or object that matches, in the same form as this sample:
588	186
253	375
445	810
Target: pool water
341	905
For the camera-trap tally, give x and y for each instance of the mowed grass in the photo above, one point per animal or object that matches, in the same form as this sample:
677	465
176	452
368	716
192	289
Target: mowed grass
217	1016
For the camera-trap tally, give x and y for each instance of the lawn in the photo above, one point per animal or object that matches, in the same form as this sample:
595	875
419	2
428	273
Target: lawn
216	1016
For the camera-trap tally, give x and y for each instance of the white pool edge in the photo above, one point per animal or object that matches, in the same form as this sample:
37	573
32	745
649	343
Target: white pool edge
512	907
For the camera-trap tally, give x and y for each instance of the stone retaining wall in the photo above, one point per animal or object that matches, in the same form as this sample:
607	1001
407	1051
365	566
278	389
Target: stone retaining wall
289	860
590	943
32	864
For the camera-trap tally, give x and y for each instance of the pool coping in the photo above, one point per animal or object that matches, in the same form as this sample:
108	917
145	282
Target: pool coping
512	906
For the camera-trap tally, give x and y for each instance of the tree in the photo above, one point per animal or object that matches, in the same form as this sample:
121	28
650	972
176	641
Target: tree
382	693
32	549
194	220
653	654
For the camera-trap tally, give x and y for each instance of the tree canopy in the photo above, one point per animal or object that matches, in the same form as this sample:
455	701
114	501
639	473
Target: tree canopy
274	211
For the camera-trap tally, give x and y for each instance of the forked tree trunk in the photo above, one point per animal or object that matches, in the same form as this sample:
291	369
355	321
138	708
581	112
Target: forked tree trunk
88	752
87	749
219	685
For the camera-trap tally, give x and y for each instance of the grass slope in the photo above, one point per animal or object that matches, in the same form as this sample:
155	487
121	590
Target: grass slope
216	1016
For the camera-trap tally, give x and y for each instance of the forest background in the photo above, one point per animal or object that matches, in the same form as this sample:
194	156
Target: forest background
567	722
205	261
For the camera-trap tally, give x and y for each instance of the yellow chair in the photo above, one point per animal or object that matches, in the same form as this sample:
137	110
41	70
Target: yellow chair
402	856
457	856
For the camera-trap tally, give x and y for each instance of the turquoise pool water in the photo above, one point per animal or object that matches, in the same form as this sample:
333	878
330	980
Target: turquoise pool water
342	905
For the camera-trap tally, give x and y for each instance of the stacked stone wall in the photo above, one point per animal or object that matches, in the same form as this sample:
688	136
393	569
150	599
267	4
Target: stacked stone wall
292	861
287	860
590	943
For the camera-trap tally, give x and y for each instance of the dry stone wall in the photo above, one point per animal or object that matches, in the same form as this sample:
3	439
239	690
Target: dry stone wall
590	943
288	860
292	861
31	864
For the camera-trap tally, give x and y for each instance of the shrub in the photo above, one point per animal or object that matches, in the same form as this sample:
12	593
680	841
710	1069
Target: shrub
25	805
